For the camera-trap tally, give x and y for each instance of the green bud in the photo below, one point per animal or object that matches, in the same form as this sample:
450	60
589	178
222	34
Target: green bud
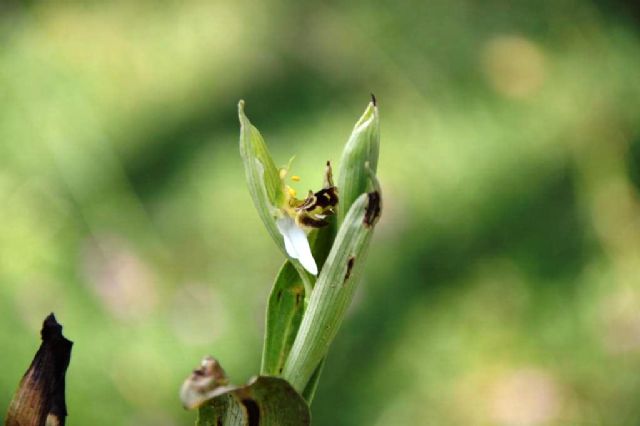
362	147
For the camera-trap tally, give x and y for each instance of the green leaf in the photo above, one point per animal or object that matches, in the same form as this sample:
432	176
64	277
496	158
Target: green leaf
362	147
334	289
310	390
265	185
286	306
263	177
284	312
264	401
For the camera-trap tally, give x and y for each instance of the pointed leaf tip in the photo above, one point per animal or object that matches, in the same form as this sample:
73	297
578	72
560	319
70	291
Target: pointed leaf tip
363	146
241	114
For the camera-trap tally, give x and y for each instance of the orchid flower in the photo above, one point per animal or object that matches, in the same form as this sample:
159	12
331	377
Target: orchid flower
300	216
287	218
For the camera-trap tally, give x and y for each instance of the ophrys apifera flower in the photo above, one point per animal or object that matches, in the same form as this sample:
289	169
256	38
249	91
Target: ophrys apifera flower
287	218
300	216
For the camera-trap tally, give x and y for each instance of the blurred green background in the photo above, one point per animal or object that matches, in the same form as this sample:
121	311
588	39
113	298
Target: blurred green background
503	284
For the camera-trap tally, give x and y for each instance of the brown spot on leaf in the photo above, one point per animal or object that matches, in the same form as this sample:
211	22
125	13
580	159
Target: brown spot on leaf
40	397
350	263
372	213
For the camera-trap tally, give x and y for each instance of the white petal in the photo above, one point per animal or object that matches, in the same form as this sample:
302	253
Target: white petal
285	225
296	243
300	242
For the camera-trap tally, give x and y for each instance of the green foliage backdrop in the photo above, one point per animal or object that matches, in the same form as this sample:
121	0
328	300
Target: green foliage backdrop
503	283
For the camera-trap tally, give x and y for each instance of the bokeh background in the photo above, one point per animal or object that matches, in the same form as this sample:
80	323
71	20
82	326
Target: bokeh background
503	284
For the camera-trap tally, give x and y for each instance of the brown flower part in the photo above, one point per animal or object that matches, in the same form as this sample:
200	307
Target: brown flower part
40	400
204	383
314	210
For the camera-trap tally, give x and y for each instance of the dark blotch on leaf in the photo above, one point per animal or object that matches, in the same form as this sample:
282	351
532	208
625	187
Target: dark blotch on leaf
253	411
374	100
350	263
372	213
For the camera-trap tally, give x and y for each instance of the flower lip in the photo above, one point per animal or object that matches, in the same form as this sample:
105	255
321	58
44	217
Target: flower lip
315	209
312	212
